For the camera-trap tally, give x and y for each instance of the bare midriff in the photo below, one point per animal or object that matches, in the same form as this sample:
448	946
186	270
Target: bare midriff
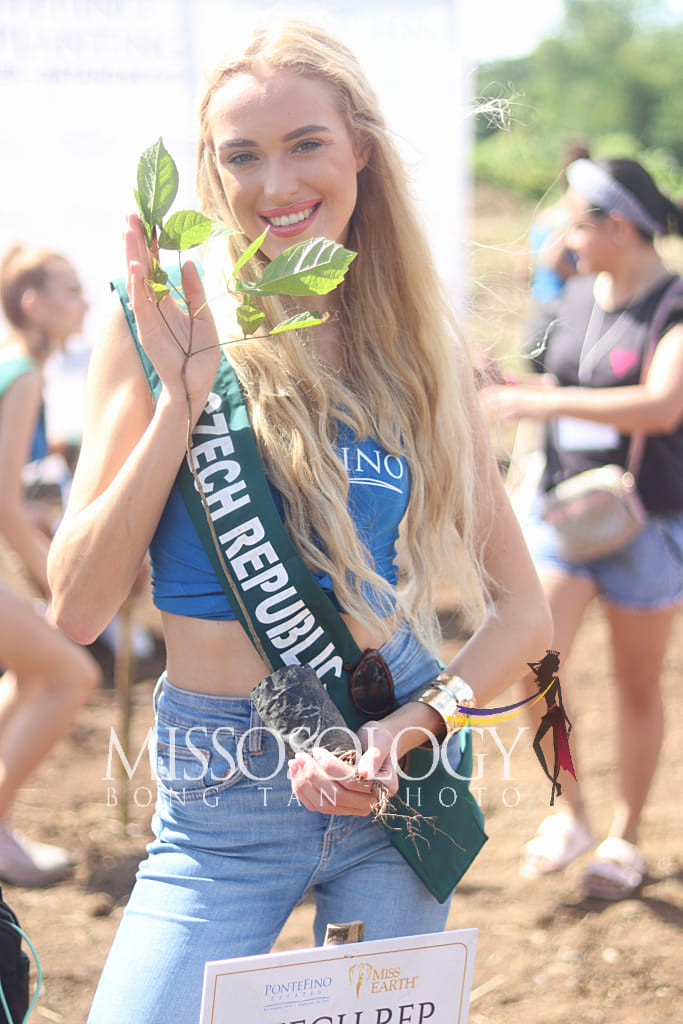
217	656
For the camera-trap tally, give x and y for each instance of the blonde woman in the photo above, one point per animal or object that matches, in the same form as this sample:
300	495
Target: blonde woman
48	677
361	424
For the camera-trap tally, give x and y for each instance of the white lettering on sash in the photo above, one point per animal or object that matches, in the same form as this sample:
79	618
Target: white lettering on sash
249	532
253	560
291	657
333	664
218	425
223	502
264	554
208	450
268	580
229	469
265	610
287	633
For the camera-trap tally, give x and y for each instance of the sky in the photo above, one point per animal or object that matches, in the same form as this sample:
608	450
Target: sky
498	29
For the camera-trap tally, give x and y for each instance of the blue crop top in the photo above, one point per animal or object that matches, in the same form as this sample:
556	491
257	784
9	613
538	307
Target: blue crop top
184	582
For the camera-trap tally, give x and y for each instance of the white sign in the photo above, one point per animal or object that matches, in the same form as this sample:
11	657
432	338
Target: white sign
420	979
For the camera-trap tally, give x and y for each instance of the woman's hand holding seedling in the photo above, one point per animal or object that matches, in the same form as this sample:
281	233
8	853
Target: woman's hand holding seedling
324	782
168	334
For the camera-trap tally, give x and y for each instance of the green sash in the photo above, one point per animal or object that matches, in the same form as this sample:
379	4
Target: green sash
291	620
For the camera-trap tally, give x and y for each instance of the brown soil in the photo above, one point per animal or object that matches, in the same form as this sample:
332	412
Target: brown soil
545	953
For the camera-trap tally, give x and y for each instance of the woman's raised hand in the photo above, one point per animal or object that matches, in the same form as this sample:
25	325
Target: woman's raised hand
183	347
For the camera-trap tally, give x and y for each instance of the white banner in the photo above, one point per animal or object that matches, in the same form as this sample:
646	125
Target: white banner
87	85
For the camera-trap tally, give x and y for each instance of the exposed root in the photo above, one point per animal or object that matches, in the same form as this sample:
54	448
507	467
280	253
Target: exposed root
379	810
412	821
406	817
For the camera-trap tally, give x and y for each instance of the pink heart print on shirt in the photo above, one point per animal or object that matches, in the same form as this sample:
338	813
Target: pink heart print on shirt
622	360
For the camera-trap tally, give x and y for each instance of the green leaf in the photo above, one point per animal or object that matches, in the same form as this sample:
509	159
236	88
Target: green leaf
219	227
249	317
314	267
308	319
158	274
158	281
246	256
143	218
158	290
157	183
184	229
141	211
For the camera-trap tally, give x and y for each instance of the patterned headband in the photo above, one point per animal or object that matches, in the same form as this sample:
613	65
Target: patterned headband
598	187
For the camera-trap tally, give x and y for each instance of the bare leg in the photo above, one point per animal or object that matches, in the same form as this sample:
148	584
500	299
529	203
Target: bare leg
50	679
569	597
639	642
560	838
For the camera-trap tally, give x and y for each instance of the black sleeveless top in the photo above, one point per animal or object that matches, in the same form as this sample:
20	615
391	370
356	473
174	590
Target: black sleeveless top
594	348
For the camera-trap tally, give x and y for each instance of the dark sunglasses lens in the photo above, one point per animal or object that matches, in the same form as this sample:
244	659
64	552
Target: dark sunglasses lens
372	690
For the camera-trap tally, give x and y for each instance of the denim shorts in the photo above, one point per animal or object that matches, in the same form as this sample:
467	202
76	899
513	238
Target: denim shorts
234	853
644	575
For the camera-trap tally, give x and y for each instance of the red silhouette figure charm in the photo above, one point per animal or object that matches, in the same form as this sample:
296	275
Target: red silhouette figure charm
555	718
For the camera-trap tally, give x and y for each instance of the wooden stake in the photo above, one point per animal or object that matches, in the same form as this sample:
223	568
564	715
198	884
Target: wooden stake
123	673
340	934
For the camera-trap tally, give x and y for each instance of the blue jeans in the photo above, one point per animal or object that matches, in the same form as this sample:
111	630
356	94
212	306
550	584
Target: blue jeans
644	575
234	853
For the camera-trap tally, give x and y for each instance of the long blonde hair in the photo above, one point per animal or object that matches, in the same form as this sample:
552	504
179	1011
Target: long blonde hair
407	379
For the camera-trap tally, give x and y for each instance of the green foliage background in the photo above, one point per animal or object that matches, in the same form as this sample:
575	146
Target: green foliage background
610	76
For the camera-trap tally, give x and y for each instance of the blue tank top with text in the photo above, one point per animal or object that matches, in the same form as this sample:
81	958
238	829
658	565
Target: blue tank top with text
184	582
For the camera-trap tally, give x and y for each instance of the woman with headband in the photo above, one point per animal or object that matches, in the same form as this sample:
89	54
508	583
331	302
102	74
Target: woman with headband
597	396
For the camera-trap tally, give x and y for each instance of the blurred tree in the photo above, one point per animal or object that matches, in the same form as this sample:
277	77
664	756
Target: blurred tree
613	69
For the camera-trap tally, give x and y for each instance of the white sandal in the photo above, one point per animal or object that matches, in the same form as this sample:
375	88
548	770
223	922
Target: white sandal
560	839
617	871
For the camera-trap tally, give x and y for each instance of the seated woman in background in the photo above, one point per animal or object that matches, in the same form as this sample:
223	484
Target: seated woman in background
48	678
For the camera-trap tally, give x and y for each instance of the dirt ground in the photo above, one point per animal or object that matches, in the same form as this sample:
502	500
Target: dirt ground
545	954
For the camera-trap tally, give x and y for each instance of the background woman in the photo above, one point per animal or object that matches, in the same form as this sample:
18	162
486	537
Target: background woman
48	677
596	405
292	140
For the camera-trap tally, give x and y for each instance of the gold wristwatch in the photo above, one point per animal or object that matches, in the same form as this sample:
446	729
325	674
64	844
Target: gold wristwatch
450	696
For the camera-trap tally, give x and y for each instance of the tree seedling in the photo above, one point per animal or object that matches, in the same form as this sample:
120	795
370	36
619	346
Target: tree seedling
314	267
